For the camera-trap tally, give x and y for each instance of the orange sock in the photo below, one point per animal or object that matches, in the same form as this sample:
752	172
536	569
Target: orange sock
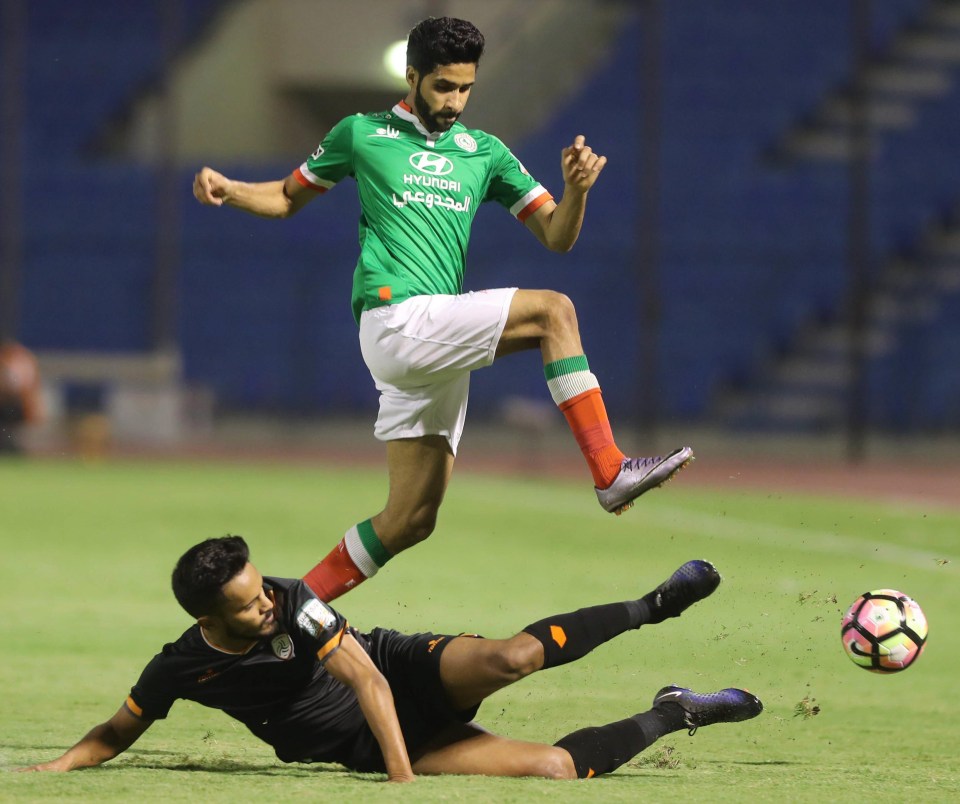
335	575
587	417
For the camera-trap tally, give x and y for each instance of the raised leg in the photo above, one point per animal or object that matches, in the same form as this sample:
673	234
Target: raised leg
544	320
547	320
473	669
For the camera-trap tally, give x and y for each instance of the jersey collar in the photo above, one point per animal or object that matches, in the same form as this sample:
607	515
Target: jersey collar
404	112
217	648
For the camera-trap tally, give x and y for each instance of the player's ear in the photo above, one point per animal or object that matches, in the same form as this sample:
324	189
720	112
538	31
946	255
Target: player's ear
207	621
412	76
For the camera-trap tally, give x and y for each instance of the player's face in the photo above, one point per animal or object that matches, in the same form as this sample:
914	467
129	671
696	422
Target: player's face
247	611
440	97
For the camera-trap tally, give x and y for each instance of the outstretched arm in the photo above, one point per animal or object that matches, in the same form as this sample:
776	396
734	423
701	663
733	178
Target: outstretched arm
352	666
101	743
269	199
557	226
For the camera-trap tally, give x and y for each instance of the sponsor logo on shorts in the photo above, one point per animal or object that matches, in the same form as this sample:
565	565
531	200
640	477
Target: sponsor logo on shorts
314	617
465	141
282	646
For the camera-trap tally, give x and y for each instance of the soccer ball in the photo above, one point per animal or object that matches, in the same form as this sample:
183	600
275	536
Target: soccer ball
884	631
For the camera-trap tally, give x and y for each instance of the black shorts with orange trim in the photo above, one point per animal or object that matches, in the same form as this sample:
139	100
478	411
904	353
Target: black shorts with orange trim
411	664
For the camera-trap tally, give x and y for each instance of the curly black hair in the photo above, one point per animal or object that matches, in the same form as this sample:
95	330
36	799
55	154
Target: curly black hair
202	571
443	40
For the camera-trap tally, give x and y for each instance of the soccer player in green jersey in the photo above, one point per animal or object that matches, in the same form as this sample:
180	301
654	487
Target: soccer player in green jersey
421	176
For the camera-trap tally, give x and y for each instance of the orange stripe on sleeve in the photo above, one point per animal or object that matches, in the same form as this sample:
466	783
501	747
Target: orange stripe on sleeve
332	644
533	206
132	706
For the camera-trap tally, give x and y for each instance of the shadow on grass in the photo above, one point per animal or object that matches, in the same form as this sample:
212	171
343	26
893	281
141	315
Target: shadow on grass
61	748
185	764
749	762
151	759
649	770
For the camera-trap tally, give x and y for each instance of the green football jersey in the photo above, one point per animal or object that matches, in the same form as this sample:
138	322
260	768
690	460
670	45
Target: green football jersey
418	194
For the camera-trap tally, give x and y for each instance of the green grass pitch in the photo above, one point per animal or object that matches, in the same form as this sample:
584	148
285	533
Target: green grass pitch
87	551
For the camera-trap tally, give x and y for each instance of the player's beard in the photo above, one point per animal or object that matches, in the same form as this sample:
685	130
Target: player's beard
433	122
265	630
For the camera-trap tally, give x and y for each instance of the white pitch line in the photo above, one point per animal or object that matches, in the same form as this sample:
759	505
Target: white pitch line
801	539
738	530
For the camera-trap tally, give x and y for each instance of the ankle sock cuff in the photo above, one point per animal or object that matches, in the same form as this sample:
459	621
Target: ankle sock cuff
569	377
602	749
365	548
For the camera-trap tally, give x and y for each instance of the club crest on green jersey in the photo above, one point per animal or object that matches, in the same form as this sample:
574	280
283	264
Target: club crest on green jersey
465	141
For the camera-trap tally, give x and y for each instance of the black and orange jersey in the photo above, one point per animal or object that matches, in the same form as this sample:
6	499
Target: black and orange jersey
278	688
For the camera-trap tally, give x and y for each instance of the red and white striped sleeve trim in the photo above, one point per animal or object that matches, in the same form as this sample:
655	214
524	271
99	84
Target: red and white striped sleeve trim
307	178
530	203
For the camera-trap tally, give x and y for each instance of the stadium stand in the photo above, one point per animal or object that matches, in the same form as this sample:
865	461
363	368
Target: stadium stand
805	384
752	244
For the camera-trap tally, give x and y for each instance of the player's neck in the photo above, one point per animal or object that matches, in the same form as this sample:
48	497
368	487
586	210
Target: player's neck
411	103
224	642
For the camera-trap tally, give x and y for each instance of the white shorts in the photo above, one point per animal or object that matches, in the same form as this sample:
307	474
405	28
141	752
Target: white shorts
420	353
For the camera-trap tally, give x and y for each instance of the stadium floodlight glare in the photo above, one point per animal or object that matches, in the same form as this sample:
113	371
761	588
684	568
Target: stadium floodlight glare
395	59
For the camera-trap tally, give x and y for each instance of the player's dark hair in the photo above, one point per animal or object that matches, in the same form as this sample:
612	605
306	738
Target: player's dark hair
202	571
443	40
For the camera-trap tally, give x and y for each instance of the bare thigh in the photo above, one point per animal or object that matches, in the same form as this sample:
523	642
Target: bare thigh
541	319
473	669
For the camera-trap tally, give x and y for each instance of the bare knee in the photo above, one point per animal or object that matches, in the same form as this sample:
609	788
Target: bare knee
561	332
397	533
559	312
545	319
518	658
420	526
556	763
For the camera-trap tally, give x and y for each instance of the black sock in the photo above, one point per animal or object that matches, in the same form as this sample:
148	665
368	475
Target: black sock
568	637
655	615
602	749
